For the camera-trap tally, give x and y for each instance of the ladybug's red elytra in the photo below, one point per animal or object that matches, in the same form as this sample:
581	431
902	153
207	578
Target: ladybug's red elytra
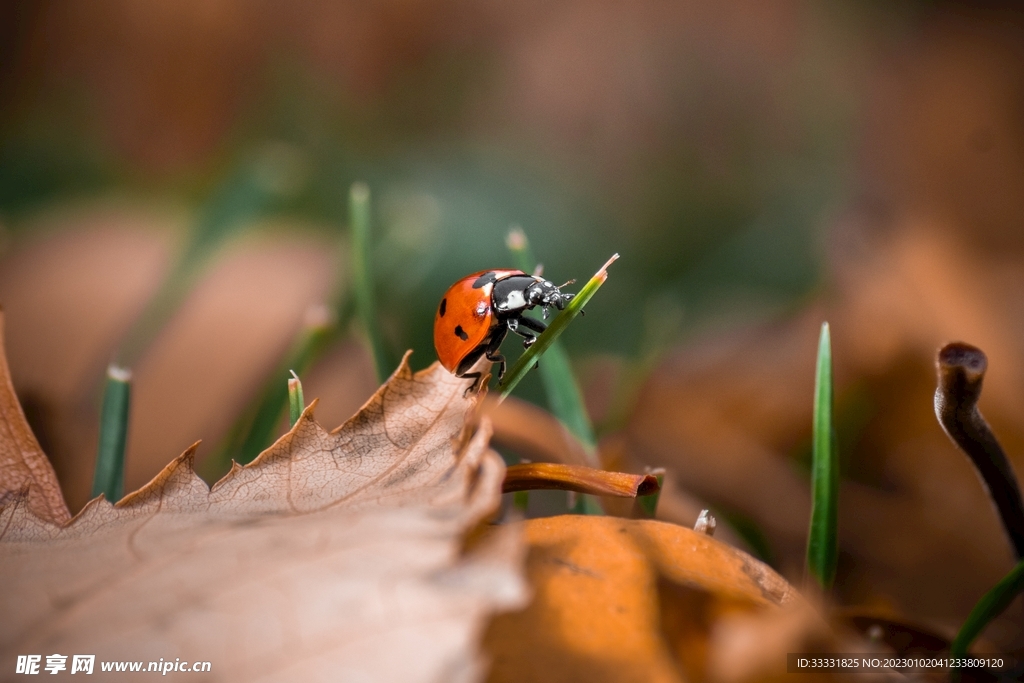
478	311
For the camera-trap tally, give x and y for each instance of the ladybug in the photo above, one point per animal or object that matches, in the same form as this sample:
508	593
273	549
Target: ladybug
478	311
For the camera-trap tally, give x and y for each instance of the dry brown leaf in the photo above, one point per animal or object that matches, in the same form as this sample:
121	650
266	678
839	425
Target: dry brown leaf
332	555
24	469
624	600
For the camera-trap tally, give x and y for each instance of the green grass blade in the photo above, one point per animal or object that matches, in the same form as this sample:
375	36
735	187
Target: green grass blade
254	431
108	478
566	399
319	331
822	542
557	326
362	274
296	402
988	608
563	392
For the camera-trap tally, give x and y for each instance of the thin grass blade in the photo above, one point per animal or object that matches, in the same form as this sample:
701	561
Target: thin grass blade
254	431
563	392
557	326
822	542
108	477
362	274
296	402
991	605
560	386
320	329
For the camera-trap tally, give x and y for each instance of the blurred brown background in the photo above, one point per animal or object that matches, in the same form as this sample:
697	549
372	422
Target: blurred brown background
761	167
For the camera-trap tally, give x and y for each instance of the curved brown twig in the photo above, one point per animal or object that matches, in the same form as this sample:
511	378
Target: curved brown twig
546	475
961	369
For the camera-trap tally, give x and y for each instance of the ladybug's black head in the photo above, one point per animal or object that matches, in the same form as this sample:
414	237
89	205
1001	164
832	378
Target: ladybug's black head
544	293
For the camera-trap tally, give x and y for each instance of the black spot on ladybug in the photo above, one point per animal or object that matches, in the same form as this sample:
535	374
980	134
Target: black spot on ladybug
444	306
485	279
461	333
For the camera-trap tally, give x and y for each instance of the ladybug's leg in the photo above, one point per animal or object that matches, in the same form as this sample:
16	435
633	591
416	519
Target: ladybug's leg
533	324
530	324
463	370
492	354
498	358
489	350
475	376
566	298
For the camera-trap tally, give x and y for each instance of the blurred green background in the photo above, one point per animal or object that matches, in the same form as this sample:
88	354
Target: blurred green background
708	145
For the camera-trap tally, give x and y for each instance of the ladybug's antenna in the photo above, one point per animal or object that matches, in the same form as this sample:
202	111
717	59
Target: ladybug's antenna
566	284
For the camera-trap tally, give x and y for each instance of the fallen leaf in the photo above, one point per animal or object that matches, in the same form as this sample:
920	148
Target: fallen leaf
624	600
332	555
24	469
